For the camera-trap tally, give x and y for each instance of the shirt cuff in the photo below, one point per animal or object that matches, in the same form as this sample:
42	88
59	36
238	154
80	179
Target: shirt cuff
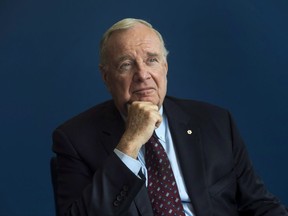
133	164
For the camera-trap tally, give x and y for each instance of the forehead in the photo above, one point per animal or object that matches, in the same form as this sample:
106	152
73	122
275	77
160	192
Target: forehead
137	37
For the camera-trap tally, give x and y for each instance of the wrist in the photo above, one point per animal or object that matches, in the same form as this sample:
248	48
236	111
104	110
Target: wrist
128	147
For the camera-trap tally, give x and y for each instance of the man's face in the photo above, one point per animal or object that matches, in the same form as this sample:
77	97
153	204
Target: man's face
136	68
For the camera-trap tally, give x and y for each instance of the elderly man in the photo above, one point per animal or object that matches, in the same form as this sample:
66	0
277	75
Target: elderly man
145	153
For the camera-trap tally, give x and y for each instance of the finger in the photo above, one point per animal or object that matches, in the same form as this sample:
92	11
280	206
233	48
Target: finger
144	103
128	105
159	121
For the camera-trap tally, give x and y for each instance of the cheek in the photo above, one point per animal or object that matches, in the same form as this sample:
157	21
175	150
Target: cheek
120	86
164	85
162	81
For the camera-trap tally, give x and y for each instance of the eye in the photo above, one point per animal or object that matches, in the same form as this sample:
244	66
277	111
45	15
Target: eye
125	66
152	60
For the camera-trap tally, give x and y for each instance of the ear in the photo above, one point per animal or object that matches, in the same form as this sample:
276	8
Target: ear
104	74
166	66
103	71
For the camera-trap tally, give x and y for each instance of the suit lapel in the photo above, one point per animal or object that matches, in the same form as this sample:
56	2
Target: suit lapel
142	202
112	129
185	133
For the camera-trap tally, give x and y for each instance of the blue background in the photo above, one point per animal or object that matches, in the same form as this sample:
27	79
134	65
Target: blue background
230	53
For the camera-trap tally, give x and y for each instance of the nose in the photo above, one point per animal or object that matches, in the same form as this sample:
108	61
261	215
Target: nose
141	73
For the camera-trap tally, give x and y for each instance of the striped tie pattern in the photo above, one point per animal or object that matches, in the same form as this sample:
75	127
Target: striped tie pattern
162	187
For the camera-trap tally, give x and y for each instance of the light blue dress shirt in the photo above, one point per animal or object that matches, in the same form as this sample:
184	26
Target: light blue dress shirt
165	139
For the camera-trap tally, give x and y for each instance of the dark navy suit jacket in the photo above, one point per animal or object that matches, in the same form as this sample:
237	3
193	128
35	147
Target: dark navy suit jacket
219	177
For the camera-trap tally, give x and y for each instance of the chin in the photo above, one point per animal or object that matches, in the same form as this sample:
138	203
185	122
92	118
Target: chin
149	99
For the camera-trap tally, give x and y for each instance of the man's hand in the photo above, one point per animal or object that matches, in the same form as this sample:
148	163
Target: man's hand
143	118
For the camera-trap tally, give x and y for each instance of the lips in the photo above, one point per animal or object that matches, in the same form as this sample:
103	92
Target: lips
143	91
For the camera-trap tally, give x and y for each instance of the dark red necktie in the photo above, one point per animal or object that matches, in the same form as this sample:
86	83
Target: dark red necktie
162	187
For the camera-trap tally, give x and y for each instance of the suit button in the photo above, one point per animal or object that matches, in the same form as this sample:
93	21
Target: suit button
123	193
116	203
125	188
119	198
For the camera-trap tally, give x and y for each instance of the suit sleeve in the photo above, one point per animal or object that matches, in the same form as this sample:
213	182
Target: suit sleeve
253	197
80	191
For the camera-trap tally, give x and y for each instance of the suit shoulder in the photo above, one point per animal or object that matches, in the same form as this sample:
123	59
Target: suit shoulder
190	105
199	112
90	116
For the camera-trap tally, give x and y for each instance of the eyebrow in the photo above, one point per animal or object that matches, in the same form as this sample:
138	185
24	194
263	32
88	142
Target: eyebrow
149	54
125	57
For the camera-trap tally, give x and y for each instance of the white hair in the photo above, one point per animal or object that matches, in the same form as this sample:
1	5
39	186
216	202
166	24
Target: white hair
124	24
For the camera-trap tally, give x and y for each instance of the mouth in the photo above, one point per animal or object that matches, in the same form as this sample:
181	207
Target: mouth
144	91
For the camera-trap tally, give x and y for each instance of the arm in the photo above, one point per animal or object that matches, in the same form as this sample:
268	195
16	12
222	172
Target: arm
92	182
253	197
80	191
